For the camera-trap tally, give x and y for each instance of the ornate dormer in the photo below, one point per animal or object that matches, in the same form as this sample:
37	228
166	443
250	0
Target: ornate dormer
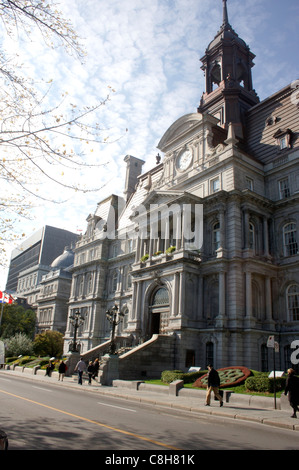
227	64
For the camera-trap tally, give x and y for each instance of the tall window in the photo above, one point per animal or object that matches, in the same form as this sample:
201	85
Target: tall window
215	185
114	281
264	358
293	302
251	240
284	188
209	353
216	237
290	239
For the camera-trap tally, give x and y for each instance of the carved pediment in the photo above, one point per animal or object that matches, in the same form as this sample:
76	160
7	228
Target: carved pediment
183	128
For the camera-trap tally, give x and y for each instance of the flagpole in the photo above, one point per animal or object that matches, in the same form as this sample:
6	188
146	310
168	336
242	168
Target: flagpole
2	307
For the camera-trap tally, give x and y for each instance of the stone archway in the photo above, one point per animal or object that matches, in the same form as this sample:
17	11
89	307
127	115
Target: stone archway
159	310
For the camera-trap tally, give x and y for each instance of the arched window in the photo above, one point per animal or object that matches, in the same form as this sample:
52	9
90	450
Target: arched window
215	75
160	297
290	239
293	302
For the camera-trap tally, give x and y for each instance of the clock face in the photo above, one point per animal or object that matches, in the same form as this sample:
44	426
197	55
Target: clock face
184	159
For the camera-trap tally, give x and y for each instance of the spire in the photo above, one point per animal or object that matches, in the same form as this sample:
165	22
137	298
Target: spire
225	15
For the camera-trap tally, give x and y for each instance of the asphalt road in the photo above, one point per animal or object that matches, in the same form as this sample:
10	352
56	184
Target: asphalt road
38	416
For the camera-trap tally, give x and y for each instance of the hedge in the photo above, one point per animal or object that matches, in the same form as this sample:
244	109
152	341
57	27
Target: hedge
169	376
264	384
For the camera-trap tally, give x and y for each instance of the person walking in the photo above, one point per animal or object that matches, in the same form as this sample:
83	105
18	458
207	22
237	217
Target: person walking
49	369
96	366
80	367
61	370
90	371
213	385
292	390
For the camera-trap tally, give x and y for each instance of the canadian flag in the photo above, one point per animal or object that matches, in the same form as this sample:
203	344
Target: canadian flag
6	298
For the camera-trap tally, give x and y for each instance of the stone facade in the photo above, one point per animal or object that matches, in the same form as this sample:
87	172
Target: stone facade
222	282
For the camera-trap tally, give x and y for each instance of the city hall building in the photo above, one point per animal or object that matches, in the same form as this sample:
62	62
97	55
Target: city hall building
201	253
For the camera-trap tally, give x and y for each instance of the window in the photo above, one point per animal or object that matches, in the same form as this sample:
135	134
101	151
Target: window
209	353
216	237
290	239
264	358
215	185
114	251
114	281
130	246
293	302
284	188
283	142
161	297
81	285
89	284
251	240
283	138
249	183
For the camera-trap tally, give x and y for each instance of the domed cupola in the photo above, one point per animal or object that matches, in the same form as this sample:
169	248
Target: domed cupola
63	261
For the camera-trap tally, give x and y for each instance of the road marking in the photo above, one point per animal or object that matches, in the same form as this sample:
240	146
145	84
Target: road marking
40	388
119	407
7	380
121	431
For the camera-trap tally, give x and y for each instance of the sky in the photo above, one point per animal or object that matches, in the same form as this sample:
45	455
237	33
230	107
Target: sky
148	52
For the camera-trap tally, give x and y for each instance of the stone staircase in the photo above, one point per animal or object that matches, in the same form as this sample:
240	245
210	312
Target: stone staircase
147	360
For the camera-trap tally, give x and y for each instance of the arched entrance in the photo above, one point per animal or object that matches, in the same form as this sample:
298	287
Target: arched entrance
159	310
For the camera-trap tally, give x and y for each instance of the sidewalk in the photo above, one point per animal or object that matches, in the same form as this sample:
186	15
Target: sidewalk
241	407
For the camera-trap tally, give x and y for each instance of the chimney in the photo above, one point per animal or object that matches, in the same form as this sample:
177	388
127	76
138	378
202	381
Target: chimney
134	169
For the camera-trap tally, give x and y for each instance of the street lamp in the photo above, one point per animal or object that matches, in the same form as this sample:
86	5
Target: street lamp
76	319
114	317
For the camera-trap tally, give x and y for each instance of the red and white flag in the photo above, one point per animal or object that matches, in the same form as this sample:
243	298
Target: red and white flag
6	298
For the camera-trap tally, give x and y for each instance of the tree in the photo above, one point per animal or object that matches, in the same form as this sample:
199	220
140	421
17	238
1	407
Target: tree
49	343
17	319
17	345
38	141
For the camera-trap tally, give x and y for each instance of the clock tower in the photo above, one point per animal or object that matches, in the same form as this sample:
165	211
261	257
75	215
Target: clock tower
227	65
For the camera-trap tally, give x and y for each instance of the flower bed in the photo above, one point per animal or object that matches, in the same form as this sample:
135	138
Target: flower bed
229	376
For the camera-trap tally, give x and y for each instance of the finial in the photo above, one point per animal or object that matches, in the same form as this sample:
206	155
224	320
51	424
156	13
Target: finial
225	15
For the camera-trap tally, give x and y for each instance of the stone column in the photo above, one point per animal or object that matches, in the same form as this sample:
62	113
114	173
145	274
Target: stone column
266	237
182	293
248	291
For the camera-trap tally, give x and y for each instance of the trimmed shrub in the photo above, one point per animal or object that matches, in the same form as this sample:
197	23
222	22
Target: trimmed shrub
264	384
169	376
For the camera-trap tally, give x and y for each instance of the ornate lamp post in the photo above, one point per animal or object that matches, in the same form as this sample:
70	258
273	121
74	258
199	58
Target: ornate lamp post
76	319
114	317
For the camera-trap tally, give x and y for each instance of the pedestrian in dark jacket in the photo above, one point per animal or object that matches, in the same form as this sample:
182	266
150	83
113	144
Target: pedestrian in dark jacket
61	370
49	369
292	389
213	385
96	366
90	371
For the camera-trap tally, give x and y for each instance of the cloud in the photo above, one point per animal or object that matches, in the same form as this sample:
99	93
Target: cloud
149	52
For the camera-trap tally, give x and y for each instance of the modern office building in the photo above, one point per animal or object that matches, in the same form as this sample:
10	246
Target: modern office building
32	258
